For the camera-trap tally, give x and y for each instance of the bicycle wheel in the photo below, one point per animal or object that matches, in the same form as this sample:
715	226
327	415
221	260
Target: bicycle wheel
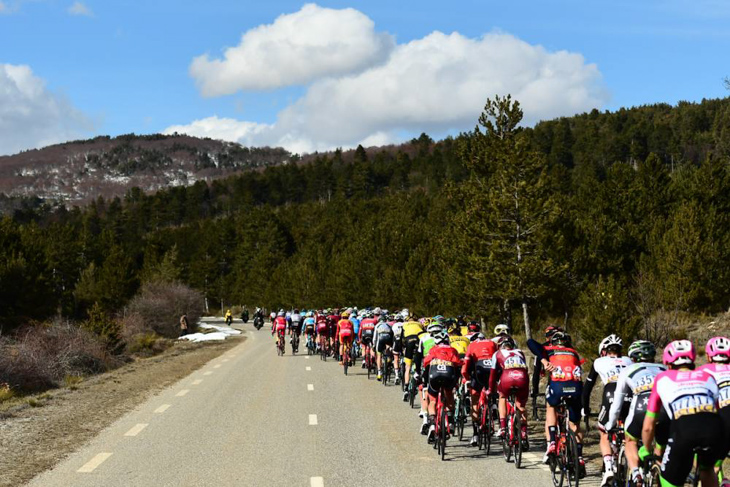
623	474
460	417
556	470
655	473
367	361
489	429
517	438
444	430
412	388
572	463
507	441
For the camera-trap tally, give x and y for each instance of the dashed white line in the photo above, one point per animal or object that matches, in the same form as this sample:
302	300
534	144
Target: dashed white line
136	430
306	357
310	387
207	373
94	462
162	408
217	366
182	393
224	360
197	382
309	368
313	420
536	458
316	482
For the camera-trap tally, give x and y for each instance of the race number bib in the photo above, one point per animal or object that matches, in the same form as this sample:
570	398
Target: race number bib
688	405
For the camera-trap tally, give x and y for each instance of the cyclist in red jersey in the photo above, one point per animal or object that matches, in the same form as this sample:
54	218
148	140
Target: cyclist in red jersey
322	330
510	365
279	326
476	371
442	366
365	336
333	317
345	333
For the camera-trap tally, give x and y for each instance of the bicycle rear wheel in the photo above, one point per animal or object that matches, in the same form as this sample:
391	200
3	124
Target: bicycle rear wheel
517	438
623	474
412	391
573	463
444	430
556	470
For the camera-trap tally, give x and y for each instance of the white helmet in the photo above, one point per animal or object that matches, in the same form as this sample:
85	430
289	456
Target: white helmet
378	311
610	341
501	329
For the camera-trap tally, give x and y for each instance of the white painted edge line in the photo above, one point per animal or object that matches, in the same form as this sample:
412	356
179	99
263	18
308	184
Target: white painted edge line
217	366
207	373
316	482
309	368
313	420
136	430
162	408
94	462
197	382
310	387
182	393
536	458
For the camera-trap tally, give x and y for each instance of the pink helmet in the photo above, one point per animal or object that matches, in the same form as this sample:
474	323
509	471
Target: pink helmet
718	349
679	352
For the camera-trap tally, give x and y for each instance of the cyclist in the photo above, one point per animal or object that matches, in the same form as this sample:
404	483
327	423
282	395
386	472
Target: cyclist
279	326
441	373
425	343
367	332
718	354
690	397
500	331
476	371
229	318
295	328
333	317
322	330
345	334
460	343
383	340
412	330
310	328
564	365
472	328
397	344
637	381
510	366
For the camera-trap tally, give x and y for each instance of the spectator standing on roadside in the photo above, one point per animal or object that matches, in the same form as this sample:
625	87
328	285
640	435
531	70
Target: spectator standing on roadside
184	324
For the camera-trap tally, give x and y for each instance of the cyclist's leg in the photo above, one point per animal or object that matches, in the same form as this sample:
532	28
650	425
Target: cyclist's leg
604	444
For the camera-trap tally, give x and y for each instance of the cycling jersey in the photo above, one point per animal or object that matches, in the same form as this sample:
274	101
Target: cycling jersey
478	363
322	326
636	380
309	325
442	364
511	368
608	369
383	337
397	330
721	374
279	324
460	343
566	360
683	393
295	323
345	330
356	325
412	328
367	330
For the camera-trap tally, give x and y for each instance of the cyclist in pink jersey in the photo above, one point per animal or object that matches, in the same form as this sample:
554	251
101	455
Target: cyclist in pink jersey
718	353
690	398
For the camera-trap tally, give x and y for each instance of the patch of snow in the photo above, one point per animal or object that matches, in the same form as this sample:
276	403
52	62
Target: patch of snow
204	337
221	329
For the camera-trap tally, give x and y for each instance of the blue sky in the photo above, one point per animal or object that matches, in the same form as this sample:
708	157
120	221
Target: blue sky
113	67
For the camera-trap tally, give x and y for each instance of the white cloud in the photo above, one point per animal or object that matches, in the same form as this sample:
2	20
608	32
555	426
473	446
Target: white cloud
31	116
222	129
437	84
296	49
79	8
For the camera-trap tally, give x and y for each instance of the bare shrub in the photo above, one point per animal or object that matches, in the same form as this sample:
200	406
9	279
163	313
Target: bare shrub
159	306
41	356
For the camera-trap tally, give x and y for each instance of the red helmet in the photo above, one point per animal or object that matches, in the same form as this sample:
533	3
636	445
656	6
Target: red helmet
474	326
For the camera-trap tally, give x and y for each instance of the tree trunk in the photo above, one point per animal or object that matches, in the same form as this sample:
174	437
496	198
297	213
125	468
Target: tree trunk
526	316
507	312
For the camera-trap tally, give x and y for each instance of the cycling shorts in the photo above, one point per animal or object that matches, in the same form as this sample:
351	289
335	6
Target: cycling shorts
367	338
323	329
480	376
280	331
700	430
635	419
309	330
516	379
296	327
346	337
411	344
608	395
398	346
572	391
442	377
384	340
725	416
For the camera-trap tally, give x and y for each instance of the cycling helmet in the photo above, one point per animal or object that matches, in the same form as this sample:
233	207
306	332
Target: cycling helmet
718	349
501	329
434	328
560	338
399	318
280	313
437	318
642	351
550	330
440	337
474	326
378	311
608	342
477	336
679	352
345	315
507	342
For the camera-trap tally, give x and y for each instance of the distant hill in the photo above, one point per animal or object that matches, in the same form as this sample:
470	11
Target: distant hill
81	170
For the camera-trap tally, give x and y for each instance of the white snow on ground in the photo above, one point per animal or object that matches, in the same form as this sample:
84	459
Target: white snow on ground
221	333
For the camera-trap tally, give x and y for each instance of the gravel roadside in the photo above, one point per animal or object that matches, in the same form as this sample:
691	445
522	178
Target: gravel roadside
43	430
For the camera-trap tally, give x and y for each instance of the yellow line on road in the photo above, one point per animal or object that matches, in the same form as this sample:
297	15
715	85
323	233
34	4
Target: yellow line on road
94	462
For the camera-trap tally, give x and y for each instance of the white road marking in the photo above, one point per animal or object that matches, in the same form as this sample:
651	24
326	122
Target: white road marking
309	368
217	366
207	373
182	393
136	430
316	482
536	458
310	387
197	381
307	357
225	360
312	420
94	462
162	408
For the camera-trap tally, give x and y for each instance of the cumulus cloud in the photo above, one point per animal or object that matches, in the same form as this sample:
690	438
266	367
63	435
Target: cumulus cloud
79	8
222	129
296	49
31	116
437	84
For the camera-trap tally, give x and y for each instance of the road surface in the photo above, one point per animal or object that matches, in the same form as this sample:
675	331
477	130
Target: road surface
252	418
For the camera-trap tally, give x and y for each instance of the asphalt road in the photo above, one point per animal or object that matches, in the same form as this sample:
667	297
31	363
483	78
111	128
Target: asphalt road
250	417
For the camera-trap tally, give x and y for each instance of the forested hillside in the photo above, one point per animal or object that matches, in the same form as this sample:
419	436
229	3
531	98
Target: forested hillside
615	221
